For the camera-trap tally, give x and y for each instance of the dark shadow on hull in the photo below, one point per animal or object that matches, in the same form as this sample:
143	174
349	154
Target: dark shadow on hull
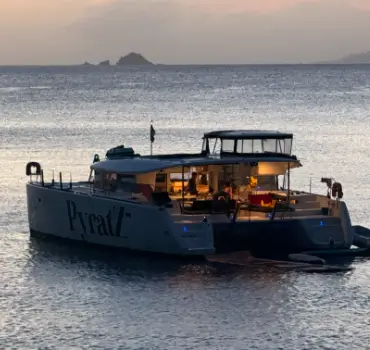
114	252
271	239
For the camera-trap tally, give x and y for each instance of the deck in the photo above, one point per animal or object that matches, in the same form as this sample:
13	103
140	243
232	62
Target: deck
304	205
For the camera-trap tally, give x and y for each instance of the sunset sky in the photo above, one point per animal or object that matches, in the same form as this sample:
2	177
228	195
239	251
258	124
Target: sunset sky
182	31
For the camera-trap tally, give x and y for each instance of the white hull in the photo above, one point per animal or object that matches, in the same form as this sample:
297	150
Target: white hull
112	222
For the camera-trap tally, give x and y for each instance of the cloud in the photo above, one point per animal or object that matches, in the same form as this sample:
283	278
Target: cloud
33	32
170	31
238	6
257	6
185	31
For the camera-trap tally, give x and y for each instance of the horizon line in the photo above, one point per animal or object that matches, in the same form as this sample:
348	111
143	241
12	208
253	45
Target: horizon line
183	65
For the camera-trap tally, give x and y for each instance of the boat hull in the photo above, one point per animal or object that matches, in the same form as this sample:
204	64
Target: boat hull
110	222
113	223
276	238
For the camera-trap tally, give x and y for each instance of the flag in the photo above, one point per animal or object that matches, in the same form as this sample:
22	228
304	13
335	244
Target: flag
152	133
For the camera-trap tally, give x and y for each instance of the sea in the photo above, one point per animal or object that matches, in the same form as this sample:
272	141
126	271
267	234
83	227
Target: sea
55	296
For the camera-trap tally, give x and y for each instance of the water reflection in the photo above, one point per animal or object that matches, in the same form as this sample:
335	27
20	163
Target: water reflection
46	254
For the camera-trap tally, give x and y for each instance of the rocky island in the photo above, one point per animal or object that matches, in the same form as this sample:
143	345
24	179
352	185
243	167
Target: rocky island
133	59
104	63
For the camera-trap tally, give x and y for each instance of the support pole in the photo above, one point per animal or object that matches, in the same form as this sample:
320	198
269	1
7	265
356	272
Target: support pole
182	191
288	183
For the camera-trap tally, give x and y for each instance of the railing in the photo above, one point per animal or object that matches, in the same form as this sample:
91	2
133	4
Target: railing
41	179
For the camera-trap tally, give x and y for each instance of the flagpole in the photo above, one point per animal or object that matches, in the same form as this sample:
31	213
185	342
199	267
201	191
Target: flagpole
151	138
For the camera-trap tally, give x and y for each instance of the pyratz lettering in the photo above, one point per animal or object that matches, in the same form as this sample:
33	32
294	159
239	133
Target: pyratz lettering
93	223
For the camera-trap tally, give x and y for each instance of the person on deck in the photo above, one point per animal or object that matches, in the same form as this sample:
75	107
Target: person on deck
226	193
192	184
203	180
228	190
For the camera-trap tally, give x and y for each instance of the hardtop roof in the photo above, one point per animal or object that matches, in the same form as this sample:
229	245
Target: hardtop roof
247	134
146	165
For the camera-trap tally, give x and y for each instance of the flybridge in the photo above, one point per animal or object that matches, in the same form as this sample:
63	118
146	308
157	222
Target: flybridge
225	143
246	142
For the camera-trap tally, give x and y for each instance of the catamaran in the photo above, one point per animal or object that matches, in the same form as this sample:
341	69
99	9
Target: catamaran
235	194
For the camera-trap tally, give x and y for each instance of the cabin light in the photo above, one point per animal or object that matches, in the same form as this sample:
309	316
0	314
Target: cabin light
321	223
185	229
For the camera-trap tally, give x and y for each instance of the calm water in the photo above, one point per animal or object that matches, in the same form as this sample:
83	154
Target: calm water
58	297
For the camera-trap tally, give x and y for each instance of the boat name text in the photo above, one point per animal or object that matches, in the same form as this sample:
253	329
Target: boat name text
91	223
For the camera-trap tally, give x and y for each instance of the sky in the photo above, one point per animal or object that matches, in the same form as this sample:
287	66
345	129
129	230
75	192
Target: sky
48	32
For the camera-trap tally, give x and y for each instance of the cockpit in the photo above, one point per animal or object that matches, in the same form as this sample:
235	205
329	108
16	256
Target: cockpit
246	142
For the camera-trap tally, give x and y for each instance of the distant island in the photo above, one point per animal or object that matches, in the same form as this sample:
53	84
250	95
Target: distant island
132	59
104	63
136	59
357	58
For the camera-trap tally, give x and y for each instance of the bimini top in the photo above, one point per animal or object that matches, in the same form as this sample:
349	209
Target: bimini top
148	165
248	134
